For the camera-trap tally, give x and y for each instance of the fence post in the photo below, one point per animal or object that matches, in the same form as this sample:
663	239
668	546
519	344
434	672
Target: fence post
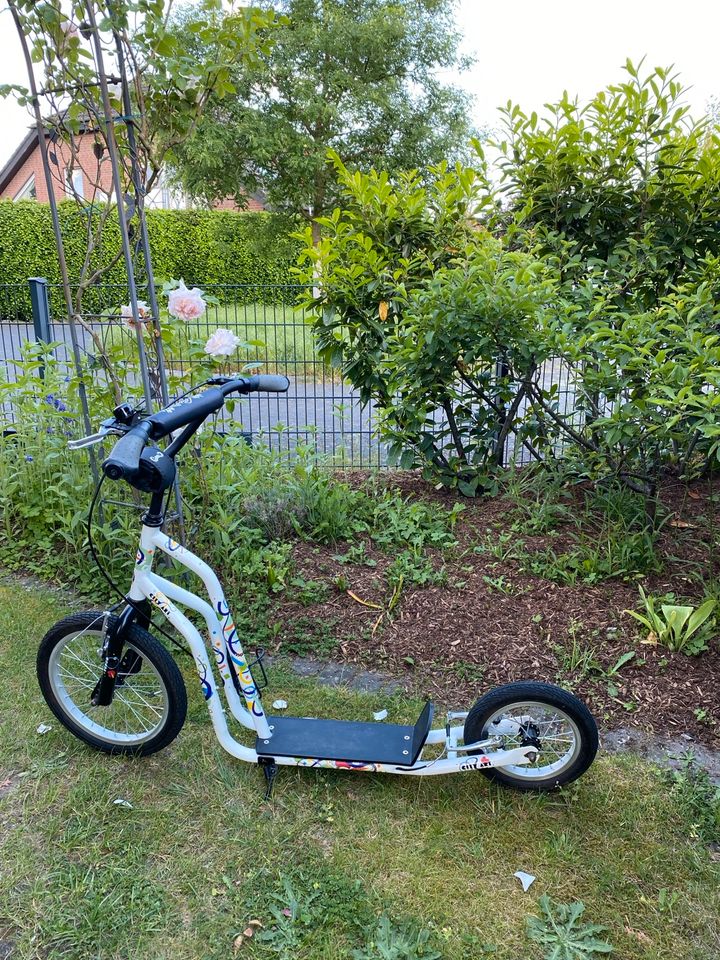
40	311
502	370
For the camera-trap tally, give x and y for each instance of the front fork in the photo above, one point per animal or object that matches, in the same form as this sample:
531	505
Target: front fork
113	641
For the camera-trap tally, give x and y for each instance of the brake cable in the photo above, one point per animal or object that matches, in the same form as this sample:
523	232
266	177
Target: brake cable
123	597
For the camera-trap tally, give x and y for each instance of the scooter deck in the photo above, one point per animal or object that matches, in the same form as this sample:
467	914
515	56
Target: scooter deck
349	741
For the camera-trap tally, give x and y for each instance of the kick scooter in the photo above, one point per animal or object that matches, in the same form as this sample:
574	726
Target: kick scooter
117	688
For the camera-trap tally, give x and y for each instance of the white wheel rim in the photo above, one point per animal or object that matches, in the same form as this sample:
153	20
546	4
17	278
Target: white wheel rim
559	736
140	704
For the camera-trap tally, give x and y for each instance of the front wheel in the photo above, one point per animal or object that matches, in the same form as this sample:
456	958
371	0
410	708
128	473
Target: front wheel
149	703
541	715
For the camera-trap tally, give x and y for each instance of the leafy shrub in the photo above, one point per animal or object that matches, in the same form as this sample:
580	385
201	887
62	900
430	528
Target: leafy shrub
577	256
619	187
204	246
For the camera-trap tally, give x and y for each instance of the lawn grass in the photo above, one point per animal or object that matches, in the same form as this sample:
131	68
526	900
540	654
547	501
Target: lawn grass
199	854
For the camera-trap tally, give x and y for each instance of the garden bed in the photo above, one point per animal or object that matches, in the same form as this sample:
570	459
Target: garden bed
491	619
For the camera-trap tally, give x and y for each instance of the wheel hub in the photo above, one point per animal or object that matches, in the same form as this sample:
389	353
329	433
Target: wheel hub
530	735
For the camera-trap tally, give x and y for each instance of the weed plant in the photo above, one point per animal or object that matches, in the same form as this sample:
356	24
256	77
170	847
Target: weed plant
612	536
244	505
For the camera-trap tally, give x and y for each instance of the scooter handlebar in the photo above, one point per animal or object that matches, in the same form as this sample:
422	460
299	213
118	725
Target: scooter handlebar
124	461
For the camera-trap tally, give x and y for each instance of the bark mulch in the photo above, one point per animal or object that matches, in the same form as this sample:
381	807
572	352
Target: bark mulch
491	623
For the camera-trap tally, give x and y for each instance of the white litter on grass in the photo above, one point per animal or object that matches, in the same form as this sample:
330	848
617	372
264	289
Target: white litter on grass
279	704
123	803
380	715
526	879
44	728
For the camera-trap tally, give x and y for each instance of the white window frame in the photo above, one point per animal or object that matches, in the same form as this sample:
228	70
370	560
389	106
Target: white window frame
75	183
24	191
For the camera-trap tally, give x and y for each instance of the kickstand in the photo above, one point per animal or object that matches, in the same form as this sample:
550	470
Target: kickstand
270	770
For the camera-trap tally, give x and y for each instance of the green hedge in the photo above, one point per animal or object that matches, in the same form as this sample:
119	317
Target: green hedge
204	247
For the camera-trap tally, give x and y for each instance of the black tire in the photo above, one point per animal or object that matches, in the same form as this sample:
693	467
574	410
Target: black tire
152	678
580	720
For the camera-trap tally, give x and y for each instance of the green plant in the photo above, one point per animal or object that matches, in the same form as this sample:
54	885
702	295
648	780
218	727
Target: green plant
579	257
429	323
498	583
390	941
472	672
292	915
704	716
667	899
578	659
247	503
308	592
356	553
502	546
341	583
207	247
540	499
413	566
619	554
677	627
698	800
559	931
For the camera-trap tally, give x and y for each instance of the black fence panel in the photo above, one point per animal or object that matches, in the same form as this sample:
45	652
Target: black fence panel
320	410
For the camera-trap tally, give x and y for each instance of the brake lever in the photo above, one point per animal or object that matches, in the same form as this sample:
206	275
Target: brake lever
90	441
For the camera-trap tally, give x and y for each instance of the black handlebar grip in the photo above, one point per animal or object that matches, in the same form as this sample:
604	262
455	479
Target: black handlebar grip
272	383
124	461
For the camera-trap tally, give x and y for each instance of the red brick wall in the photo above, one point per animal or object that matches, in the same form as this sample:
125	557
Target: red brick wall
253	205
86	161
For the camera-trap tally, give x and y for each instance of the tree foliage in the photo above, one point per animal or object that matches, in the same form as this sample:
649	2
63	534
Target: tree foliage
358	77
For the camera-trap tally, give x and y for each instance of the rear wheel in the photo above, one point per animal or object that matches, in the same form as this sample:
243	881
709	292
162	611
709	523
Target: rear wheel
149	703
552	720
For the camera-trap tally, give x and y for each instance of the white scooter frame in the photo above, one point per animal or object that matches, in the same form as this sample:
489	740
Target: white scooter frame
226	646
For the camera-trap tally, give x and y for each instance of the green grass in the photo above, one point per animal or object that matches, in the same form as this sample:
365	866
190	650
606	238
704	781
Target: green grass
200	854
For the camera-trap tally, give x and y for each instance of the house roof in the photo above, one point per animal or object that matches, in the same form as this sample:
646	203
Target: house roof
21	154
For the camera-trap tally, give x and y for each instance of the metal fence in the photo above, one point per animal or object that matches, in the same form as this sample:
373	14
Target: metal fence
320	409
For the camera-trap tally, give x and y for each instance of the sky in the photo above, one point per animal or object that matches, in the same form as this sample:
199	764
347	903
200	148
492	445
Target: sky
527	51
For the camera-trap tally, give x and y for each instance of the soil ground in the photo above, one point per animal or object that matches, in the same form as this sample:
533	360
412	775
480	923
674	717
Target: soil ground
491	621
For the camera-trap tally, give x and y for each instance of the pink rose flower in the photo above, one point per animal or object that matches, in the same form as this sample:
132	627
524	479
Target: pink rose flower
70	30
186	304
222	343
126	312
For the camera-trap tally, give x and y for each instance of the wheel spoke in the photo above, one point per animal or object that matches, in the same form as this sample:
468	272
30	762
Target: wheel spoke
139	705
556	734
